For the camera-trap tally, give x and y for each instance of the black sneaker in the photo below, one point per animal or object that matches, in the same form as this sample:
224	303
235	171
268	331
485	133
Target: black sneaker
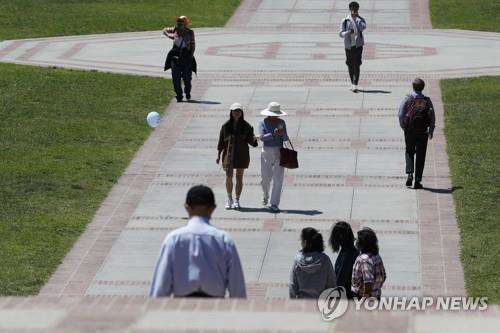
179	99
418	186
409	180
188	96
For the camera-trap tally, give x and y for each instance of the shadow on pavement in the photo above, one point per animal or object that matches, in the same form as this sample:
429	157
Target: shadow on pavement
254	210
301	212
443	190
374	91
194	101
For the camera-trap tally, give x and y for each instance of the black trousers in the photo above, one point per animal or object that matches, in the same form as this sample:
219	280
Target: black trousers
416	144
182	69
353	61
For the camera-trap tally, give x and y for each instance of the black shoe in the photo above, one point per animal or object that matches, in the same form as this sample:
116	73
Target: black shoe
179	99
409	180
418	186
188	96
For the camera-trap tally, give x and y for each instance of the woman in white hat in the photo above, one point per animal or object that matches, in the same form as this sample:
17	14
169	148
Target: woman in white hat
235	136
273	133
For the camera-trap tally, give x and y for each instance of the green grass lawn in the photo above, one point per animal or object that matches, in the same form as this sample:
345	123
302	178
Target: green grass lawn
65	138
472	128
42	18
465	14
472	110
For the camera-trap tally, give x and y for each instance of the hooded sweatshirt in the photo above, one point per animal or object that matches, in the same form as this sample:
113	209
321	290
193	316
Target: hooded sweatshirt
312	272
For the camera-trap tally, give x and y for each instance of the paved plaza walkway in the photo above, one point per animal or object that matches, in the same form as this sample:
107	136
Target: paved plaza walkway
351	152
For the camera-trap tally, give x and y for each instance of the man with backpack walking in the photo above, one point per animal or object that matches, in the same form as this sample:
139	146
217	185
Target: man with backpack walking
417	119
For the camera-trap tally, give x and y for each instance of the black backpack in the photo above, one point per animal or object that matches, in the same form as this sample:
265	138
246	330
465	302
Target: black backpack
417	114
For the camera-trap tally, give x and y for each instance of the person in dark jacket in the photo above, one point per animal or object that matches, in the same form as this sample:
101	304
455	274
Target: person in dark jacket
235	136
418	120
342	238
312	270
181	57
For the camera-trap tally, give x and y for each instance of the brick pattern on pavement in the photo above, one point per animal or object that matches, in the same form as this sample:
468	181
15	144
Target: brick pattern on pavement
352	168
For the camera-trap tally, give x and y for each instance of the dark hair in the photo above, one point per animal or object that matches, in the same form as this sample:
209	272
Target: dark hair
341	236
313	241
418	84
367	241
353	5
200	195
229	124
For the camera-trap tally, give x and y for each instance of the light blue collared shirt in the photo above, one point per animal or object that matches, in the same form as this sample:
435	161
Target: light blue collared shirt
198	258
267	131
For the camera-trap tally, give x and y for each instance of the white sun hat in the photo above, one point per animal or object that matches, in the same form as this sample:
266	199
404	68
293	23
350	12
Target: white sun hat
273	110
236	106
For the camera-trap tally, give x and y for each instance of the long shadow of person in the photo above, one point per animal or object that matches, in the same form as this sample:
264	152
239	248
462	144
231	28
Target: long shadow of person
374	91
301	212
443	190
194	101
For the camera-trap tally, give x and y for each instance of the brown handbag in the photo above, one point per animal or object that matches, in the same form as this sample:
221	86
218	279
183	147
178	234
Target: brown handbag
289	158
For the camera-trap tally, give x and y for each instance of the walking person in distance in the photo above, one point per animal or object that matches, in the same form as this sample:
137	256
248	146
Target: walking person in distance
273	133
418	120
235	136
351	30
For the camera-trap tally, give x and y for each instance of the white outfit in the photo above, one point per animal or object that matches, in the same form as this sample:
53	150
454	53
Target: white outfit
271	170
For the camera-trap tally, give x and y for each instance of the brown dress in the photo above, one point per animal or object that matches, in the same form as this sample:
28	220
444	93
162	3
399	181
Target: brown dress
236	141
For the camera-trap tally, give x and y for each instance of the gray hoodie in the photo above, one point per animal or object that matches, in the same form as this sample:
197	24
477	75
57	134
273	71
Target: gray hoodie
312	272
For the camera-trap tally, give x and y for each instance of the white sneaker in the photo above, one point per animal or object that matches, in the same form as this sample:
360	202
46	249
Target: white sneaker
236	204
355	88
352	87
229	204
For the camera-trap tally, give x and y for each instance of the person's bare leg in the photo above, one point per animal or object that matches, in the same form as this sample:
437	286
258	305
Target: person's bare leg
229	189
239	182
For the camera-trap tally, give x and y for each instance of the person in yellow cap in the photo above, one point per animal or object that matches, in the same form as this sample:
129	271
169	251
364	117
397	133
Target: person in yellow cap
181	56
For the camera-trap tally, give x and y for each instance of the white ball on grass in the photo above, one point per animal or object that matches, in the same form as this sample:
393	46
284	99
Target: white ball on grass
153	119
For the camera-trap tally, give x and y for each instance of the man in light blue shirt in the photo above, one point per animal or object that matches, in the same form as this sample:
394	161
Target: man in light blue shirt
198	260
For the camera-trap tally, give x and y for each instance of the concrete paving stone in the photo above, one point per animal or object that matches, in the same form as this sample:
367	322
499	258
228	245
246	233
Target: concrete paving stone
331	202
339	162
380	163
336	97
288	97
318	127
458	323
308	17
276	4
34	319
324	5
372	127
268	19
277	292
118	290
380	203
231	321
226	96
391	5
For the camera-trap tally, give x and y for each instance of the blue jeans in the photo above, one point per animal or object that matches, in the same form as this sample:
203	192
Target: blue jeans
182	69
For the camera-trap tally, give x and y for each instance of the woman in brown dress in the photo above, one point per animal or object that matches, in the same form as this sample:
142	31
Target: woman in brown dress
235	136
